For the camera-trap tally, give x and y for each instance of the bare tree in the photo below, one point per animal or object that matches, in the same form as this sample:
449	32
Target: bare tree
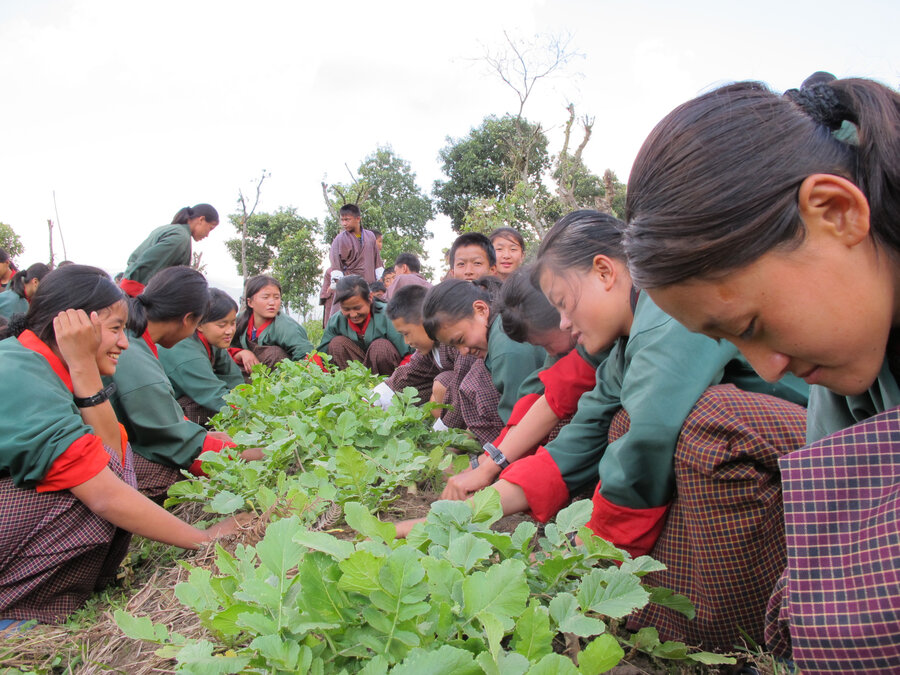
566	164
361	188
245	216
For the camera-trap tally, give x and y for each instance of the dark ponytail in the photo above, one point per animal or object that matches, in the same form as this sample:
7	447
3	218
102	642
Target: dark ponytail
70	287
198	211
576	239
171	294
19	279
452	300
254	286
523	308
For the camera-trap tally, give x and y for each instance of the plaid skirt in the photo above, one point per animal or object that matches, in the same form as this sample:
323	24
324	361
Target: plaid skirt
478	400
381	357
838	603
154	480
723	541
195	412
54	551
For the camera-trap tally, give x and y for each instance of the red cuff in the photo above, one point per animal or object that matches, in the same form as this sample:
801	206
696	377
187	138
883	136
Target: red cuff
565	381
405	360
315	358
635	530
131	287
542	482
234	351
210	444
80	462
522	406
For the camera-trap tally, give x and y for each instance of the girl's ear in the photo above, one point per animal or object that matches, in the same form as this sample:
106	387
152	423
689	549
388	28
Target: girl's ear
604	267
833	205
482	309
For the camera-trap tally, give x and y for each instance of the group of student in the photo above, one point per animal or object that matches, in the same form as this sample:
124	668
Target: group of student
760	234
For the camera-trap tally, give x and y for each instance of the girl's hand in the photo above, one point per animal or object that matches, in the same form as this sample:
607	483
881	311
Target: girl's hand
77	337
251	454
246	359
465	483
228	526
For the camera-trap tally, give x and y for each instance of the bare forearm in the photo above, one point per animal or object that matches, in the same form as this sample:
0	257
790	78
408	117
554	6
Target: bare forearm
102	418
512	497
530	431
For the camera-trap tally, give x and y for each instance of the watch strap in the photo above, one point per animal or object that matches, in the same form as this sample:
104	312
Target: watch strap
495	454
98	398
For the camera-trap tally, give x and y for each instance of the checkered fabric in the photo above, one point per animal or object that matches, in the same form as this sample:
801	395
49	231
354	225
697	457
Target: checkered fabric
478	400
723	541
419	373
462	364
381	357
54	552
154	480
195	412
842	511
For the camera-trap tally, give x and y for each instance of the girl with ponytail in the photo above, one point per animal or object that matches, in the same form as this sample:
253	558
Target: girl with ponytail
23	284
169	310
67	482
773	222
7	269
168	246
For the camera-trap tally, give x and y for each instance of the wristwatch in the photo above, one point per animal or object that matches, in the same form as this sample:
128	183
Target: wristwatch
98	398
494	452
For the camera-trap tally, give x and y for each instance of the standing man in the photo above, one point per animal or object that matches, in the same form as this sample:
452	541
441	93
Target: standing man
354	251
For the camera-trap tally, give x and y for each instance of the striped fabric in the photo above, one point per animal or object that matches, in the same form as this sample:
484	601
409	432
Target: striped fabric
478	403
54	552
462	364
419	373
381	357
195	412
154	480
840	595
723	541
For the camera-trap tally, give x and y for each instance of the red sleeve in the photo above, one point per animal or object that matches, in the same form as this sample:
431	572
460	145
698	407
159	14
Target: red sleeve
131	288
565	381
522	406
541	481
80	462
210	444
233	351
315	358
635	530
405	360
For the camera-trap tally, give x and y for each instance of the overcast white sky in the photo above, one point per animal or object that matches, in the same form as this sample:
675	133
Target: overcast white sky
130	111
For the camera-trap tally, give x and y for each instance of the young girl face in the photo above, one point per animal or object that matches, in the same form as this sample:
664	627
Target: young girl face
265	303
510	256
588	304
356	309
113	340
468	335
201	227
219	332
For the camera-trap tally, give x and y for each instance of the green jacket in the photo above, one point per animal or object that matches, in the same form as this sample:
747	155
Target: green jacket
167	246
829	412
145	405
12	303
656	374
40	420
379	327
283	332
194	373
510	363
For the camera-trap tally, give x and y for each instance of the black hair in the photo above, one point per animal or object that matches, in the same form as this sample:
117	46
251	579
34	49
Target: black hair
576	239
197	211
411	260
4	256
388	270
407	304
351	209
452	300
508	233
714	187
254	286
349	286
377	233
220	305
172	293
19	279
523	309
377	286
70	287
474	239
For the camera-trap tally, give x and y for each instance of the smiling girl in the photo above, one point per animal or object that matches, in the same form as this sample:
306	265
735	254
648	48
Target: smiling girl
264	334
168	246
362	331
66	467
200	369
771	222
509	246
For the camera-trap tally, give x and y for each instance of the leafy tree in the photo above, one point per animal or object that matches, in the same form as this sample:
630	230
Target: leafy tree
390	201
488	163
282	244
10	242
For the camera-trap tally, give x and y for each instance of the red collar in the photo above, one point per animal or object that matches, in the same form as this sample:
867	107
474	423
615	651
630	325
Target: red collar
360	330
31	341
205	343
259	332
150	344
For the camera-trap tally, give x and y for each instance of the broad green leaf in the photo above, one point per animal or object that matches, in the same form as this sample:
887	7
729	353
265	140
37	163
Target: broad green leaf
611	592
451	513
321	599
668	598
554	664
277	551
226	621
324	542
197	593
565	612
506	663
671	650
573	517
377	665
602	654
401	573
523	534
261	593
445	661
283	653
467	551
256	623
597	547
140	627
494	628
646	639
533	637
642	565
501	590
360	572
197	659
359	518
710	659
486	507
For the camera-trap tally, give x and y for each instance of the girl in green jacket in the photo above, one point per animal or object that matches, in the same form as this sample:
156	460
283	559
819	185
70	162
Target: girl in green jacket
15	299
